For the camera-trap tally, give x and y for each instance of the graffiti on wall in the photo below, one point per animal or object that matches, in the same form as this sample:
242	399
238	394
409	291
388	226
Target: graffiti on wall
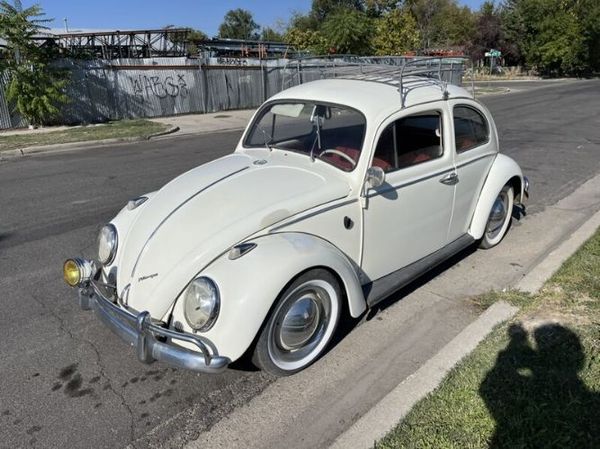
146	86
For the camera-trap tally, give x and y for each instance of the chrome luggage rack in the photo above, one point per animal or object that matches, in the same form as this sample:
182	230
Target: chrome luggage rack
403	72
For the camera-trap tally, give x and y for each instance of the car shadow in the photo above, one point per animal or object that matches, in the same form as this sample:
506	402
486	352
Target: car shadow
347	325
535	394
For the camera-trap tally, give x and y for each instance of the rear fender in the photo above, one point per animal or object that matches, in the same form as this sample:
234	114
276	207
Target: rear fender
504	171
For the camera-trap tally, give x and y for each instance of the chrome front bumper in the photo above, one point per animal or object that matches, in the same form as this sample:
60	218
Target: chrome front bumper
152	342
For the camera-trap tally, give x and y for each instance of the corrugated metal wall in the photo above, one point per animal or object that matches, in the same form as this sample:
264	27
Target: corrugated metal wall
157	87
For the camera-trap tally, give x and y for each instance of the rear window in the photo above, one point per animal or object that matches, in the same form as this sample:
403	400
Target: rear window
470	128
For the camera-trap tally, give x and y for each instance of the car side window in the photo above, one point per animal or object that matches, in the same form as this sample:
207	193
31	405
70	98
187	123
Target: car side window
409	141
470	128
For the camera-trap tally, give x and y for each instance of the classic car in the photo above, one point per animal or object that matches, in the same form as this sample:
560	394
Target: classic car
340	192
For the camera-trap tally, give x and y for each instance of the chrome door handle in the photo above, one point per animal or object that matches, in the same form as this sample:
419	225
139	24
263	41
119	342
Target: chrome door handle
450	179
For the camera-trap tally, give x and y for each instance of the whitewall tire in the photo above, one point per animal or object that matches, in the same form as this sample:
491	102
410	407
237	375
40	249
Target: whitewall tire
301	324
499	218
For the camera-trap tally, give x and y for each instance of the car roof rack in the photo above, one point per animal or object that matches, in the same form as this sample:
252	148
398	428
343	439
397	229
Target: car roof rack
405	73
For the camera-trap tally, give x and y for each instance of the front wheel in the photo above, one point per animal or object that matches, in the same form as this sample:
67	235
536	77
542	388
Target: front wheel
301	324
499	219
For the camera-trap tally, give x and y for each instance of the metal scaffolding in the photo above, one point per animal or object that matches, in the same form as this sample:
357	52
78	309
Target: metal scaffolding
170	42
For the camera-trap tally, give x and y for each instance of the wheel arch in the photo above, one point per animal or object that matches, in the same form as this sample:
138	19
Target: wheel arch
504	170
251	284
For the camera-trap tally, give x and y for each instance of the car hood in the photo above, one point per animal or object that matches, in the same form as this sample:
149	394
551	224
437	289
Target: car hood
202	213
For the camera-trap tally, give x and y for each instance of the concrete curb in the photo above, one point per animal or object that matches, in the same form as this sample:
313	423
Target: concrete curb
212	131
166	132
77	146
395	405
533	281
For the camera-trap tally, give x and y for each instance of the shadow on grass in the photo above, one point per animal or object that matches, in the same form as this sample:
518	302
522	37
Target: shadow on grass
536	396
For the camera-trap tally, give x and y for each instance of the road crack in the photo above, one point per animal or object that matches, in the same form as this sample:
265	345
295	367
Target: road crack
101	369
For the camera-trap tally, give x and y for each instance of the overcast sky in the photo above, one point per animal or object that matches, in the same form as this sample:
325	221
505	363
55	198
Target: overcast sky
202	14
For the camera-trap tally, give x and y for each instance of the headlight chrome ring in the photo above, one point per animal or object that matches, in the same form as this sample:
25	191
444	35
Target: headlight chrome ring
108	240
201	304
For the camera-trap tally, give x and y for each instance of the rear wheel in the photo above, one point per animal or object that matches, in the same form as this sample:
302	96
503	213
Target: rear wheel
301	325
499	219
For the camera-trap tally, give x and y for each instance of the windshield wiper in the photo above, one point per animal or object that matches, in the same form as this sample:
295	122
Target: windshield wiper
317	123
268	138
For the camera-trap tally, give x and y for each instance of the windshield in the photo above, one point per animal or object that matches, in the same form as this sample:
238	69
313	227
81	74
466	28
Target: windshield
333	134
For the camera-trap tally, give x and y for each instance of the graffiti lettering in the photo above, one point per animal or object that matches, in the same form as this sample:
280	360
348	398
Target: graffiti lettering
153	86
231	61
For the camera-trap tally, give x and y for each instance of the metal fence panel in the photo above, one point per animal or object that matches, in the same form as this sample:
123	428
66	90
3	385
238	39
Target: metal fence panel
9	118
103	90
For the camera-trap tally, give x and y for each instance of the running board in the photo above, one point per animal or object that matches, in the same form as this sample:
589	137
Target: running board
380	289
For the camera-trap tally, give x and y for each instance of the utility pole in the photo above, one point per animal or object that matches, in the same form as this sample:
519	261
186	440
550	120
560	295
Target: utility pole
66	25
19	8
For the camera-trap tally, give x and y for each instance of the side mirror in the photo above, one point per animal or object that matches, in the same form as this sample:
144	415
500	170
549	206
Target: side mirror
375	177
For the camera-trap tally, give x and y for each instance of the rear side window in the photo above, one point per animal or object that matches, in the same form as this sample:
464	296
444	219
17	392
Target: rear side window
470	128
409	141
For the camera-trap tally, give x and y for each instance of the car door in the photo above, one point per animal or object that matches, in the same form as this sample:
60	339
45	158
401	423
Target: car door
475	147
407	217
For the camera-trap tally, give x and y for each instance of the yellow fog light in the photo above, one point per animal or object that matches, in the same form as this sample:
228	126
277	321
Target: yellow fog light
77	271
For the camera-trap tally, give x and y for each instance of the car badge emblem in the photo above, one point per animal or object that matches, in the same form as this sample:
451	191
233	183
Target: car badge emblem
150	276
260	162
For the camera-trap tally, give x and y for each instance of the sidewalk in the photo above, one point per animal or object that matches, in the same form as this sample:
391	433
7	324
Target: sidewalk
190	124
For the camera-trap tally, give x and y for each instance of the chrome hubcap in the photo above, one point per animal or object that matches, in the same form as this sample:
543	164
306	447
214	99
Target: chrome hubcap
497	215
300	322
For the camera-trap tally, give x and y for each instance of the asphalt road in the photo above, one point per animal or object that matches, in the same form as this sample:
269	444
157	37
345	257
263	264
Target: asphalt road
68	382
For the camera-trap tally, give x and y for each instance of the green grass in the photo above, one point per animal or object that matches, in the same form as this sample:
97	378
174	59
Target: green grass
532	383
110	130
489	90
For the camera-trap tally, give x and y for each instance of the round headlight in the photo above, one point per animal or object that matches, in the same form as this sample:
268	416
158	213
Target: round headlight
201	304
107	244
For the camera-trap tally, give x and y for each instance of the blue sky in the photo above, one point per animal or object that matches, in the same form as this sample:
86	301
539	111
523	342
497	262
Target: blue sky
202	14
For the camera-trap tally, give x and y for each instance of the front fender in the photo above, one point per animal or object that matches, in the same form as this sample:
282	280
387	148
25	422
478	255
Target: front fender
250	285
504	170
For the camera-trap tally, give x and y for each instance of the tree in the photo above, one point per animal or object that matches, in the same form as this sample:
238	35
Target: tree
303	22
321	9
192	37
35	87
377	8
348	31
307	40
239	24
553	35
269	34
396	33
489	33
442	23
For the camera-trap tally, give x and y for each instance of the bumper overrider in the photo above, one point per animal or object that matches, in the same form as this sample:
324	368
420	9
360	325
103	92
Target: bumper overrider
524	199
152	342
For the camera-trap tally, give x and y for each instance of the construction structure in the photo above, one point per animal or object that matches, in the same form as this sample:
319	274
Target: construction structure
163	43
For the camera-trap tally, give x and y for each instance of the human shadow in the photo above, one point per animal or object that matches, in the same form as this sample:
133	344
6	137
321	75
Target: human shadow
536	396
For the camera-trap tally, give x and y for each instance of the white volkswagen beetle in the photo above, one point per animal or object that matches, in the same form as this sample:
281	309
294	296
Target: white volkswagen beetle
338	194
